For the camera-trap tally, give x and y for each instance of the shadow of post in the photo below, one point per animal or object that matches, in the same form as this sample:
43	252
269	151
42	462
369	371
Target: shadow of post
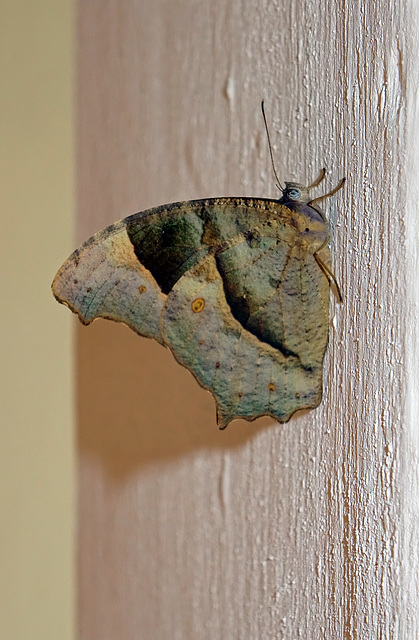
136	404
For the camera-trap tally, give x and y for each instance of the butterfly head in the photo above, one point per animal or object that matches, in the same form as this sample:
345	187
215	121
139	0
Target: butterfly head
294	192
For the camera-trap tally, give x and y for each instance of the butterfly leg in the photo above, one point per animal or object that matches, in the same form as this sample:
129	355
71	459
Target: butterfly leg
327	195
328	272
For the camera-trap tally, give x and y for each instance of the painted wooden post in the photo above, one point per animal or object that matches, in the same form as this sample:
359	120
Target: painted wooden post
308	529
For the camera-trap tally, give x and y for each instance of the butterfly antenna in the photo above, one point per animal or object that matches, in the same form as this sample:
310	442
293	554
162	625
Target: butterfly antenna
278	184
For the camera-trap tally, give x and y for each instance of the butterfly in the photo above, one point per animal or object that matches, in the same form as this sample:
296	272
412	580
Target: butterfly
237	288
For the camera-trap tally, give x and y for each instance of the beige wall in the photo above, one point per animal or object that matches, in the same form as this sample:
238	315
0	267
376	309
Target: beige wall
36	452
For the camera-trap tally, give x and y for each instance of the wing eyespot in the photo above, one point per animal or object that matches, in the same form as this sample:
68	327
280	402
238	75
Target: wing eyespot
198	305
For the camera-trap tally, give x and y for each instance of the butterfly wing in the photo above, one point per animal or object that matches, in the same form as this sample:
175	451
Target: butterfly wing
247	377
277	291
103	279
227	284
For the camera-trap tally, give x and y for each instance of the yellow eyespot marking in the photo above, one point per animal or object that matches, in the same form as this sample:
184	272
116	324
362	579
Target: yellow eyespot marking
197	305
201	341
297	395
271	386
142	289
240	394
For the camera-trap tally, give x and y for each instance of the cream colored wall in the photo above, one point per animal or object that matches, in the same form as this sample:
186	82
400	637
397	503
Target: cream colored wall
36	433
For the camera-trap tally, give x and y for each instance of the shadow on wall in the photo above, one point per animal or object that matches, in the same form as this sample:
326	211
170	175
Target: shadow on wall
136	404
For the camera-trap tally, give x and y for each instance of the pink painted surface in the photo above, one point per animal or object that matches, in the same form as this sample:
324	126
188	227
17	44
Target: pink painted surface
265	530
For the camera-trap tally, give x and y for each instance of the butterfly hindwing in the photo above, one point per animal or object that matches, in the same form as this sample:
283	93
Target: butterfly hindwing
247	377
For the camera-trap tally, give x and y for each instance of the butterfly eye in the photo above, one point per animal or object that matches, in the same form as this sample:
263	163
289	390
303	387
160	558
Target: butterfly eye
294	194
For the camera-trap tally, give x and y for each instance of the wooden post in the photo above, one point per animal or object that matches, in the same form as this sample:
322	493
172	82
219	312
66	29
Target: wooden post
308	529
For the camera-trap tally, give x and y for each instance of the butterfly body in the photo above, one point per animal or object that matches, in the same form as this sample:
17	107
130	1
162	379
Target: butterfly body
232	286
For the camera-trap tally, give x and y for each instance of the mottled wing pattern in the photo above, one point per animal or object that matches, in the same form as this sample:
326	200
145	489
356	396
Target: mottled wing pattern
229	284
248	378
103	279
276	291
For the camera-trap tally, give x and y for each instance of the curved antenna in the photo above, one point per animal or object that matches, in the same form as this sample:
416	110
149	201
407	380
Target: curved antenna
278	184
